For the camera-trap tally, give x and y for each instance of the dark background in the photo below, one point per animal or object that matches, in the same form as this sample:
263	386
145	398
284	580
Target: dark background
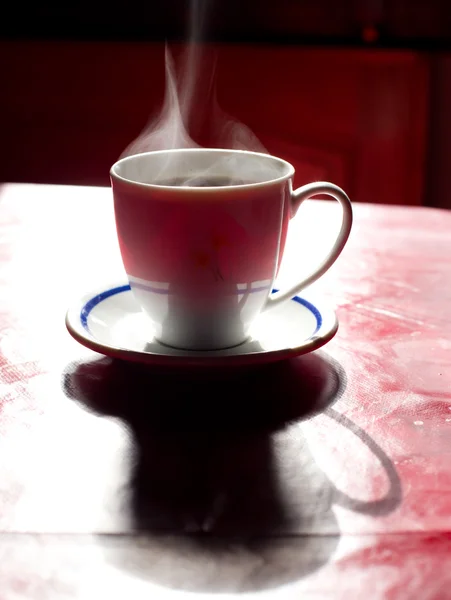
422	24
357	91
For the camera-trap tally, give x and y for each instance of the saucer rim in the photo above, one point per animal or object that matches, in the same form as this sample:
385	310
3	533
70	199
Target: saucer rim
323	334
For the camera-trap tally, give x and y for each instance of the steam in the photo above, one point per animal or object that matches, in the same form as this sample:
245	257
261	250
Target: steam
190	109
166	131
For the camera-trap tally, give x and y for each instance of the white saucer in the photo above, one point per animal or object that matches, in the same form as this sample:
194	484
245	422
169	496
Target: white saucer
110	321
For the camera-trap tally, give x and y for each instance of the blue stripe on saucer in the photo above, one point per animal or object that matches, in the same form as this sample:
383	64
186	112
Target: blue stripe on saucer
87	308
91	304
318	316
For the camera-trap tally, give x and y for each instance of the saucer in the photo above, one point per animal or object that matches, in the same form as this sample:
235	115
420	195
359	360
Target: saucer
110	321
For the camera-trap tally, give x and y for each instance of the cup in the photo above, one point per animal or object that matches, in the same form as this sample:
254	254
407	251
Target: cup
202	233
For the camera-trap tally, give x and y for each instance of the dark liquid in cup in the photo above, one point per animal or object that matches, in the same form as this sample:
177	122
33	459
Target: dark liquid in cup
203	181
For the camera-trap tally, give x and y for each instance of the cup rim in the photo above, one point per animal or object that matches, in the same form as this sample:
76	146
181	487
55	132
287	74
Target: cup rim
220	188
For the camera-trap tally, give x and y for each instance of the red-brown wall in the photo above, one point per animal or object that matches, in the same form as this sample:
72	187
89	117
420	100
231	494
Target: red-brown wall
357	117
439	148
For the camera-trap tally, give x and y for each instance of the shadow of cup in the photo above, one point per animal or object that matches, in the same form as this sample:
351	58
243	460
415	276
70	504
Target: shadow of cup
207	494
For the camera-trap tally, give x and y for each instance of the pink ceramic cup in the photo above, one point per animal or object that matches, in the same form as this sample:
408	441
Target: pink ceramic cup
202	233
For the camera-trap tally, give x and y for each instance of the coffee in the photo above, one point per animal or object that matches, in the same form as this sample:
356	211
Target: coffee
203	181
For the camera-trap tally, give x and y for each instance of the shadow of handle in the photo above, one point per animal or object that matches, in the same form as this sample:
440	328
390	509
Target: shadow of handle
392	498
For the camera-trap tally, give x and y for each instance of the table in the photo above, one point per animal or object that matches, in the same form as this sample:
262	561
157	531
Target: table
324	477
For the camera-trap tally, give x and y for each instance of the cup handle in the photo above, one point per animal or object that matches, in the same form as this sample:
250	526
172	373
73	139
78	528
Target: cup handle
297	197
